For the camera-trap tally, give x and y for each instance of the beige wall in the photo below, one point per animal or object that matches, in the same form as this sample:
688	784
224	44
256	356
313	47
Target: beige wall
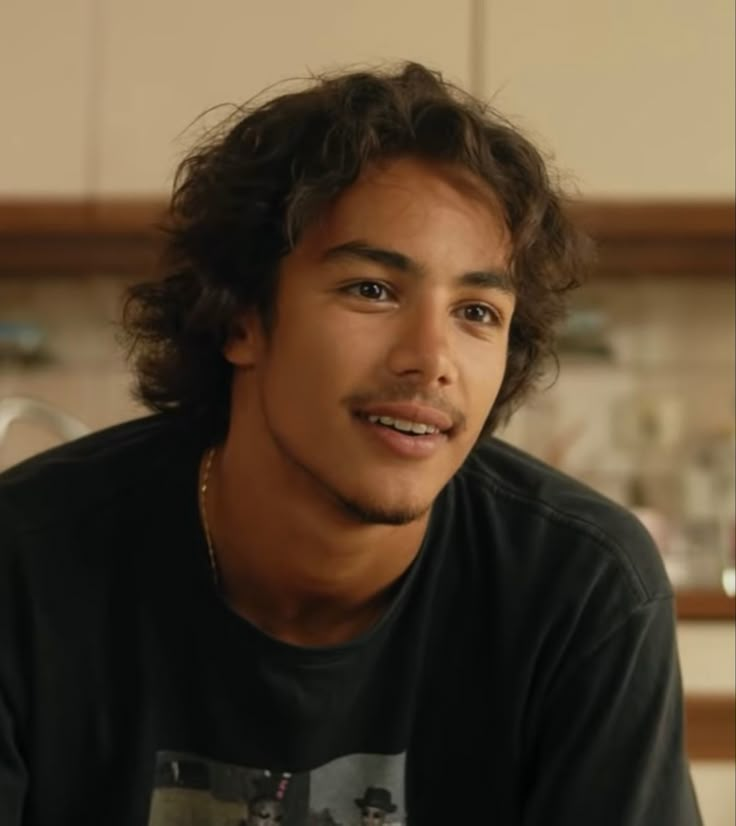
45	66
708	657
103	92
165	62
634	98
714	785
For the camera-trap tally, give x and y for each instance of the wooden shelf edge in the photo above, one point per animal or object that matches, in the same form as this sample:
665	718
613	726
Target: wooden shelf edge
666	238
704	604
606	220
644	220
710	726
58	216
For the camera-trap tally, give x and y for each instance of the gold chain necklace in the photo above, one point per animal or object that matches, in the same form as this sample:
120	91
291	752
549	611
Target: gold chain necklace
205	478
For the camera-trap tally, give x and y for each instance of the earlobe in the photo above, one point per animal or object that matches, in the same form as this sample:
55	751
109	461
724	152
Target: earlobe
241	348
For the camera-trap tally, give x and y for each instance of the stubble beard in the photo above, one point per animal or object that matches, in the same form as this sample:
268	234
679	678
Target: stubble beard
367	514
362	512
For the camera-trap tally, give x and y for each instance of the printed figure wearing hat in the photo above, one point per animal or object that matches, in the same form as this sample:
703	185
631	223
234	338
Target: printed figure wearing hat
375	804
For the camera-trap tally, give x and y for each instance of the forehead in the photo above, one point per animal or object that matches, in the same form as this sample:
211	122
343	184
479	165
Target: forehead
417	207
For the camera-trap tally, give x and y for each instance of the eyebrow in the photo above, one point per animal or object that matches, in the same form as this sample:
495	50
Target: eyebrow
492	278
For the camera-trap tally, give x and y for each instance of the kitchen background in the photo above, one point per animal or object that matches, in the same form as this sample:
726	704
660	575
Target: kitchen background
634	103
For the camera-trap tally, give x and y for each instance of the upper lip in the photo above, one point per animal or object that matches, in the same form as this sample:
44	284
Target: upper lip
411	412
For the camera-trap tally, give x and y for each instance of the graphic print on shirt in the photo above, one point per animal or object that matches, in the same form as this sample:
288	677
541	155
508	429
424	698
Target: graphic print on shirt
356	790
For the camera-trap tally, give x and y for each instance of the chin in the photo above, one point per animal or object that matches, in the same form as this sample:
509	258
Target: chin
374	512
364	506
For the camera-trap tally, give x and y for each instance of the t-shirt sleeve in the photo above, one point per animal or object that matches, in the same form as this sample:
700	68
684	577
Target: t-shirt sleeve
12	771
13	774
609	748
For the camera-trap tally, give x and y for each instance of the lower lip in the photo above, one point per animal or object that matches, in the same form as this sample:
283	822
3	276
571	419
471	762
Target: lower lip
401	444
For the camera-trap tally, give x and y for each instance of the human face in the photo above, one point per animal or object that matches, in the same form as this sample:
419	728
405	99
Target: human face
265	813
393	308
370	816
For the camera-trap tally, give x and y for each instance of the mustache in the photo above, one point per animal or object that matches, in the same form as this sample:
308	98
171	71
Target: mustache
408	394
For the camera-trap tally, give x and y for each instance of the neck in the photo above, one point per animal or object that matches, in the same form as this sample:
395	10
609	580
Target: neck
294	562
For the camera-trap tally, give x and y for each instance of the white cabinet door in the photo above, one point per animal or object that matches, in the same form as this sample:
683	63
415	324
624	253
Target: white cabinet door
634	98
714	785
166	61
46	89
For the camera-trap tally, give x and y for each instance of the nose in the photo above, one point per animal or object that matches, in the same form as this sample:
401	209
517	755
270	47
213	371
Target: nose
421	350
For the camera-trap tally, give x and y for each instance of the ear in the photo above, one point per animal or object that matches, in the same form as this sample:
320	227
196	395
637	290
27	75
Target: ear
244	346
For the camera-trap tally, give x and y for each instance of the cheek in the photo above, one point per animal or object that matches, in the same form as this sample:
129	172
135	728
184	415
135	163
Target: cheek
483	372
336	351
310	372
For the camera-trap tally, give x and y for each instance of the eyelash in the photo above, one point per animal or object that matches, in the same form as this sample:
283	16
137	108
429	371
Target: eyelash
354	289
494	319
493	316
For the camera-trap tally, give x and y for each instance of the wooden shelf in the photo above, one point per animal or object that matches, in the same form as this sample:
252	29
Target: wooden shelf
77	237
667	238
661	237
710	726
705	604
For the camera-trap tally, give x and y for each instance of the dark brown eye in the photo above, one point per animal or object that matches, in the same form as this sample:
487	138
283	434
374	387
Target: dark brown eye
478	314
371	290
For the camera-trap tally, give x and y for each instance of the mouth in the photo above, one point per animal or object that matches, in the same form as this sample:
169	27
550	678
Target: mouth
407	430
411	418
406	426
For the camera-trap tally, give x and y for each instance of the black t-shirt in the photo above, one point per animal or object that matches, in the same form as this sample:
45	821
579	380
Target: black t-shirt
525	673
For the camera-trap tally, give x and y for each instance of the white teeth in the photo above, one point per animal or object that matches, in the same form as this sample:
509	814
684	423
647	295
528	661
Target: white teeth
404	425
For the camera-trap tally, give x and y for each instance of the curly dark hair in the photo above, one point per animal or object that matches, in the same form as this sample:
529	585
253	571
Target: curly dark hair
241	200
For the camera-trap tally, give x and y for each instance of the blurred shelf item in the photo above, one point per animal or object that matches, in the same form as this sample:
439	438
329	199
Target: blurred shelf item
121	236
22	408
21	343
585	337
704	604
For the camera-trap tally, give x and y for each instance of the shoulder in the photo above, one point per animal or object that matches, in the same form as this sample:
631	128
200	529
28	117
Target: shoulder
81	480
556	527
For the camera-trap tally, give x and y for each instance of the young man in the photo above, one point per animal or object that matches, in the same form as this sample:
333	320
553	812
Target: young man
314	562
